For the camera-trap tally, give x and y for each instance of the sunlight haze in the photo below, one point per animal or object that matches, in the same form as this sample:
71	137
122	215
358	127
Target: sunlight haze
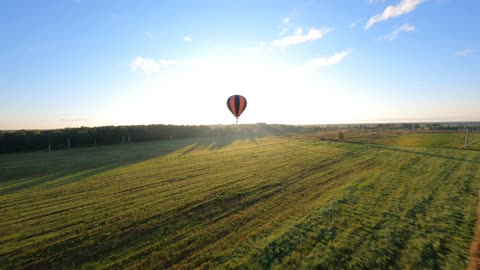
93	63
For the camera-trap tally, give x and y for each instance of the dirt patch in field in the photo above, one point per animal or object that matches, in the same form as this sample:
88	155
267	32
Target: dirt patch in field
474	260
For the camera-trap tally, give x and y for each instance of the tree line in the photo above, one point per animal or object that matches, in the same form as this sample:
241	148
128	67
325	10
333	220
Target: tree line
58	139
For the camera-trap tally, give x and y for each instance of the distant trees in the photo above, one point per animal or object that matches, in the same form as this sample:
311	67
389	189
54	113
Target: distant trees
431	126
407	126
340	136
34	140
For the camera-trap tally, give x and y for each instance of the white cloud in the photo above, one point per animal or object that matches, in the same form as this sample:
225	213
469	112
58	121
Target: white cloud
465	52
166	63
396	32
187	39
286	20
298	37
147	65
404	7
327	61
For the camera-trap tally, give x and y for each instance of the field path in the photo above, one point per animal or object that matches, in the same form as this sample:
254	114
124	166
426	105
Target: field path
474	261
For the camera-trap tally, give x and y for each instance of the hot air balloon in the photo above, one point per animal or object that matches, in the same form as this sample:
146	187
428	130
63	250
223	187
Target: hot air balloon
237	104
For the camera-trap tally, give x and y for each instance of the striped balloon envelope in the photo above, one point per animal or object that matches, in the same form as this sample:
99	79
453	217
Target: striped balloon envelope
237	104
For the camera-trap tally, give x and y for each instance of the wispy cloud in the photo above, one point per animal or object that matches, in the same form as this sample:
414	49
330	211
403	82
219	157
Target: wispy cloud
187	39
396	32
327	61
148	65
404	7
285	25
465	52
298	37
354	24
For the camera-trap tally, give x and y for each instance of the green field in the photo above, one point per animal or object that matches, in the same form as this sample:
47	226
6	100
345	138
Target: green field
433	139
454	140
258	203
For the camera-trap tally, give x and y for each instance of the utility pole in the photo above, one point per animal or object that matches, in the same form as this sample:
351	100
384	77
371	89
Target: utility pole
466	138
68	142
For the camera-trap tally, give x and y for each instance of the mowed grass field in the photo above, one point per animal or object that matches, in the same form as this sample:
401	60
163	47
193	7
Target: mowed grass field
454	140
417	138
258	203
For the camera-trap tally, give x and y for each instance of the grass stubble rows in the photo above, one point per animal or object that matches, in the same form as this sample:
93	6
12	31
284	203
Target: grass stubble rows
272	202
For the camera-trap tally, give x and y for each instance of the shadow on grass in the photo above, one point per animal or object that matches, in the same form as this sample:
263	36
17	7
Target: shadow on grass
219	142
50	181
42	169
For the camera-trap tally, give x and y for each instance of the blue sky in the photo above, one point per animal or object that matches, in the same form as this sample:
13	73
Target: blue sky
90	63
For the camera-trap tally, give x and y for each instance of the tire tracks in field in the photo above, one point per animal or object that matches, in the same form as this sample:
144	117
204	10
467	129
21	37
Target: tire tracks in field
79	196
198	208
298	195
